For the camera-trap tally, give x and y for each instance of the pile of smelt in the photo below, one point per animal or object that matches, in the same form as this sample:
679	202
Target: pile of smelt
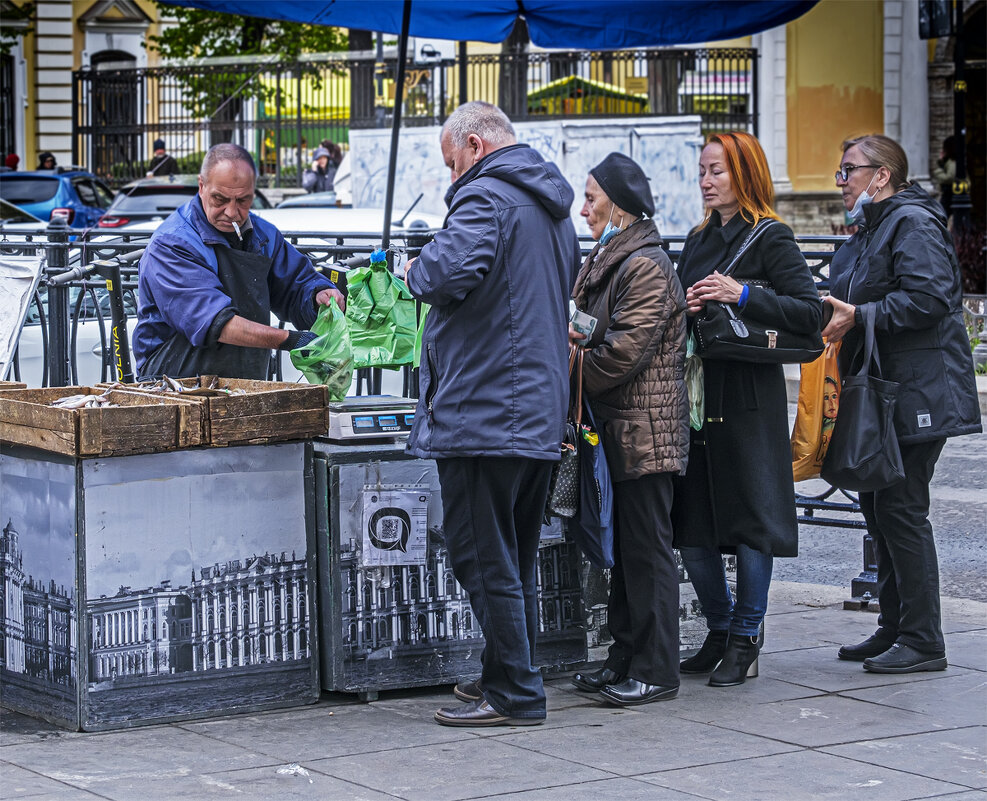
212	390
85	402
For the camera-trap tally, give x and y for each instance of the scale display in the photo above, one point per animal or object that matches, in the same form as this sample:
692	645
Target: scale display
370	417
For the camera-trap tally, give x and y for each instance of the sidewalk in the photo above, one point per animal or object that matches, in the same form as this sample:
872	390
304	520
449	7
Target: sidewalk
810	727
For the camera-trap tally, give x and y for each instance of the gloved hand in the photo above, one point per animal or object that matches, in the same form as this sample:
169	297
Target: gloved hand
297	339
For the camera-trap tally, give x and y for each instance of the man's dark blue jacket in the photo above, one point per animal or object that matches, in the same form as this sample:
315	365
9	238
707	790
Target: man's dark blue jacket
494	368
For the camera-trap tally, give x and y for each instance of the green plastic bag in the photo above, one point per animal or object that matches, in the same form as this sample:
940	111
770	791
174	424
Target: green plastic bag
694	384
418	338
380	312
327	359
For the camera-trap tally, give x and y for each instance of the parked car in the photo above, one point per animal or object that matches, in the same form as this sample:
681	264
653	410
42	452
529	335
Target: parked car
312	199
156	198
78	194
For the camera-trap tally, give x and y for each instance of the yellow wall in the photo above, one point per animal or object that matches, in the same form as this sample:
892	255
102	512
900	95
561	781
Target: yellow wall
835	86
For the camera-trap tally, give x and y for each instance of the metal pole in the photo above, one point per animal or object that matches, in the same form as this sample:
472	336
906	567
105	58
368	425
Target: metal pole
961	187
463	75
298	123
396	123
58	305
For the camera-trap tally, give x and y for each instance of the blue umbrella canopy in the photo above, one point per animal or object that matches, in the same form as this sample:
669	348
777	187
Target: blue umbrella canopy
584	24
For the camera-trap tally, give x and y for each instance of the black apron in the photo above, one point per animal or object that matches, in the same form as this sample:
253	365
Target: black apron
244	278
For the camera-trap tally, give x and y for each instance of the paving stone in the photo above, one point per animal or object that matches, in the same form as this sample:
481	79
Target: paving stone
19	783
959	700
253	784
958	756
127	759
803	775
828	720
473	767
326	731
650	738
968	649
600	790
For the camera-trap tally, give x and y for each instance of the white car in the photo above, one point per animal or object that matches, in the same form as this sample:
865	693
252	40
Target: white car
307	228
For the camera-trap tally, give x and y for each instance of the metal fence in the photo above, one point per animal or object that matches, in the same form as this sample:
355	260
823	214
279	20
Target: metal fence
281	111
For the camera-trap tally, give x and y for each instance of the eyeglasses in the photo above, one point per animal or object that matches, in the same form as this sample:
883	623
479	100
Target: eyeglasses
845	169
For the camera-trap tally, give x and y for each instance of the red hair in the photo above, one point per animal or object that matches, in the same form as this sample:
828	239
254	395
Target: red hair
750	177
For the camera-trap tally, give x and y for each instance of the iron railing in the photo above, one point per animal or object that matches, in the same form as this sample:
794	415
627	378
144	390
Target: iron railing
281	111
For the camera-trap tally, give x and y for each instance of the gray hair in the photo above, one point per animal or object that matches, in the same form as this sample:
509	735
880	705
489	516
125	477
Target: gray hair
483	119
884	152
225	152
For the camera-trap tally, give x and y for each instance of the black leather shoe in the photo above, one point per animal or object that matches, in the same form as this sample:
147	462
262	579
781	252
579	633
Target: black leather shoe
468	691
711	652
875	645
631	692
738	663
480	713
597	680
901	658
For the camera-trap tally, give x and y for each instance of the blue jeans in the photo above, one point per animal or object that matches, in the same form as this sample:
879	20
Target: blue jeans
709	578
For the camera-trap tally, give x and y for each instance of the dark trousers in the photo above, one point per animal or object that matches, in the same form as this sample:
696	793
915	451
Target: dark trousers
643	610
493	509
907	564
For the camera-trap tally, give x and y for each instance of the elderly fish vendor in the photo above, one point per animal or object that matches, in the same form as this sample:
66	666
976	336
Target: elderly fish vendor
211	277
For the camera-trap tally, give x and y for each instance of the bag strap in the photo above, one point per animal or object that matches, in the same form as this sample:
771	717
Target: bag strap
579	389
870	343
752	237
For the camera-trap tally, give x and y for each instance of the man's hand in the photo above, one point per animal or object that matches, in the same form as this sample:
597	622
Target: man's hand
325	295
407	267
842	320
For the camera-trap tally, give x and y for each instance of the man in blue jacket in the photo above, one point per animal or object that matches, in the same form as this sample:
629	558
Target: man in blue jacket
494	389
211	276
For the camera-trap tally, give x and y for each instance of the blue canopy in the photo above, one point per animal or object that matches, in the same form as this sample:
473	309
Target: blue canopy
598	25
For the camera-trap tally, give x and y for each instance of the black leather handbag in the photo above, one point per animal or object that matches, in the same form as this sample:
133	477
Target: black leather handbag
863	453
563	490
722	334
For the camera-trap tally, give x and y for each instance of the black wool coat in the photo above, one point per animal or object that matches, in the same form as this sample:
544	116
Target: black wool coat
738	488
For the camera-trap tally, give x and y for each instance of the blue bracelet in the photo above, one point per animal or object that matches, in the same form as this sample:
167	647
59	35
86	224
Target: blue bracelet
743	296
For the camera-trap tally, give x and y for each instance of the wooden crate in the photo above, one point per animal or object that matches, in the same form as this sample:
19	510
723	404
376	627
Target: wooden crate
269	411
137	424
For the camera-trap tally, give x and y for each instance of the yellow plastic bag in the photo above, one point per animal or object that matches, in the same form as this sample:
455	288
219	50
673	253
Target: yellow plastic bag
819	401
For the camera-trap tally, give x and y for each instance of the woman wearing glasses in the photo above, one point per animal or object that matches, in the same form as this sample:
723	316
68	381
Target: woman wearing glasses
737	495
902	264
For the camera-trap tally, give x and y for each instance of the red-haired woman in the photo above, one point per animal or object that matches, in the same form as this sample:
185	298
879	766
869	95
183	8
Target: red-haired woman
737	495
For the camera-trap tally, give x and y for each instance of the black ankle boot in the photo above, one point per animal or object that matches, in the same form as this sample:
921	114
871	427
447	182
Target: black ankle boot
739	661
711	652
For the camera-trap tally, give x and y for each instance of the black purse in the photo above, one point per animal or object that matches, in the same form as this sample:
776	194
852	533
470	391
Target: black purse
721	334
863	453
563	489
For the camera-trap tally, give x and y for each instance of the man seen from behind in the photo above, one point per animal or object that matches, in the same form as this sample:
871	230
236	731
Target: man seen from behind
494	389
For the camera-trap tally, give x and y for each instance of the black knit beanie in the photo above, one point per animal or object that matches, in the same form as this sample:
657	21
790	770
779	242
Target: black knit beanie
625	184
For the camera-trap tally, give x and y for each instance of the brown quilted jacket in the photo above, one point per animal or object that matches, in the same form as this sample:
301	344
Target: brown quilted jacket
633	368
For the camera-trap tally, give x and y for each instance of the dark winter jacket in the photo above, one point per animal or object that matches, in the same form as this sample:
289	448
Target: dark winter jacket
633	368
902	262
738	488
494	368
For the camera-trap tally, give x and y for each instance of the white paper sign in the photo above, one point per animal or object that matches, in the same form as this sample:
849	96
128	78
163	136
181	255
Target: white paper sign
395	525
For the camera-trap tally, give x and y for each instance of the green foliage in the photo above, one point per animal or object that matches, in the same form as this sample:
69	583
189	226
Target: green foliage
218	92
10	13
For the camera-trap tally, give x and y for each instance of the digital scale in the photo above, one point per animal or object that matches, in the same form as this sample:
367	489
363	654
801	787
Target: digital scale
370	417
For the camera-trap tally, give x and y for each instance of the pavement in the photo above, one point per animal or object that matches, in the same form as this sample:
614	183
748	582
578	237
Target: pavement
809	727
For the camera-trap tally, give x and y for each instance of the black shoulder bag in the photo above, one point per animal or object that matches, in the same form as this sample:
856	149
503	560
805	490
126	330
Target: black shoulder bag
721	334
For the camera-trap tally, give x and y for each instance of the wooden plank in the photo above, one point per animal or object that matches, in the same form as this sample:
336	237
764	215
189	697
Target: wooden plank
42	438
278	427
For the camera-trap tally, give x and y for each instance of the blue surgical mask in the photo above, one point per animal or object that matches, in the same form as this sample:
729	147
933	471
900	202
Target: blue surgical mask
857	212
610	230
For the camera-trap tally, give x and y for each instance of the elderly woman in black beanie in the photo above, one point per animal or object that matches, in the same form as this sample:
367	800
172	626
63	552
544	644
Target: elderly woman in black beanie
632	374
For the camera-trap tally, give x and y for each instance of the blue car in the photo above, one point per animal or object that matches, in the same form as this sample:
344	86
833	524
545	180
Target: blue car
78	194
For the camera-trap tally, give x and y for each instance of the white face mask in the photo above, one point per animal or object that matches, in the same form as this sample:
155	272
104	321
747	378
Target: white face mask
610	230
857	212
